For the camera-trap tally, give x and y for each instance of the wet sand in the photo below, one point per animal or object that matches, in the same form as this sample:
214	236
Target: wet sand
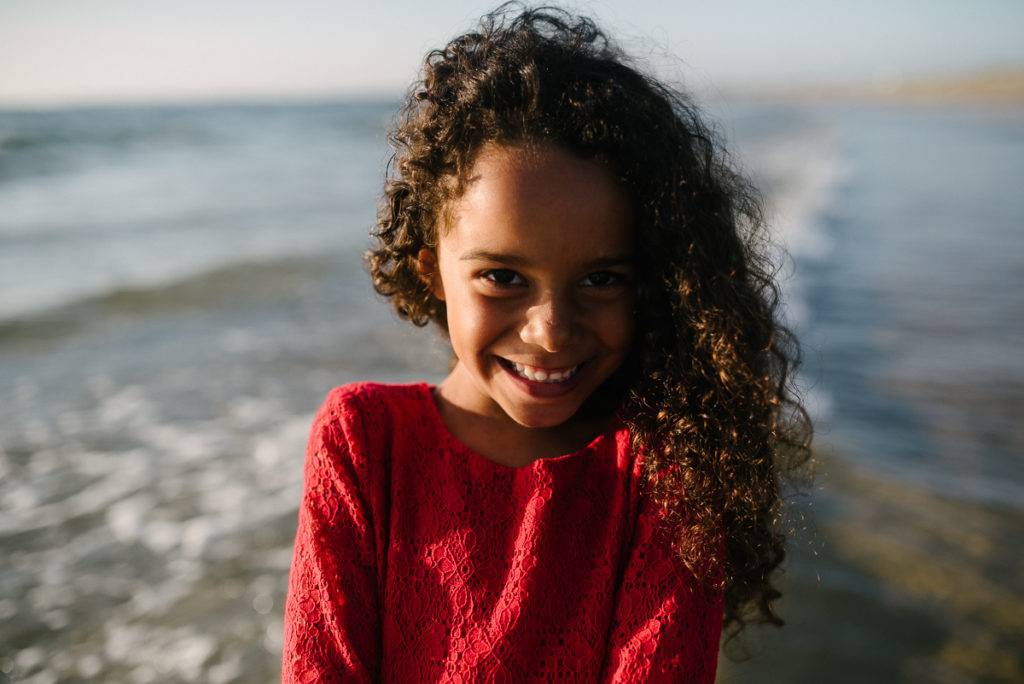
892	583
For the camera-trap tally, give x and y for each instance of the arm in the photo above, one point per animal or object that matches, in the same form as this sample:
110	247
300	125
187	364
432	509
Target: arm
331	624
666	628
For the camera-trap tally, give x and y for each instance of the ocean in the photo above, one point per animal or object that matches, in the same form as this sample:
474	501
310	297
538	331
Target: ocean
180	286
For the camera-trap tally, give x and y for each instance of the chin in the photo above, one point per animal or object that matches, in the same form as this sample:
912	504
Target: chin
540	418
540	423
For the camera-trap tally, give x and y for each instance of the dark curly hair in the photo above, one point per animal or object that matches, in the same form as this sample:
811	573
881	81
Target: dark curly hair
708	391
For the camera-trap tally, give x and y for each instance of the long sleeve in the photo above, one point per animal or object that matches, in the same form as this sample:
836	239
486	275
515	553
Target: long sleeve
666	628
331	623
418	559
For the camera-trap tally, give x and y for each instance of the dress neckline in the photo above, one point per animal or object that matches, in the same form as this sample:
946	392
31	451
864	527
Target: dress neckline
427	392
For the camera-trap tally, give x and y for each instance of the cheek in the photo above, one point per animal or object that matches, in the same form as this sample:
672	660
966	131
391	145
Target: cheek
617	326
474	322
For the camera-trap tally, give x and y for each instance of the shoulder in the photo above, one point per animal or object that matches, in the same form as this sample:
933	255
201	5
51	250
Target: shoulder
351	436
346	400
357	411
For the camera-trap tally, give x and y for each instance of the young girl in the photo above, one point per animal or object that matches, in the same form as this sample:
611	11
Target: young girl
592	491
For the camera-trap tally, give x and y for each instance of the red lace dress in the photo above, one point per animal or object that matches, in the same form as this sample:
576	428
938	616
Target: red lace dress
419	560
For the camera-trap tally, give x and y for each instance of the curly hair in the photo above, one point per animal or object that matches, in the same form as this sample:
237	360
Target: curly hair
708	390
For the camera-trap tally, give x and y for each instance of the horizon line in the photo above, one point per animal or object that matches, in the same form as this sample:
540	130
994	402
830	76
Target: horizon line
838	89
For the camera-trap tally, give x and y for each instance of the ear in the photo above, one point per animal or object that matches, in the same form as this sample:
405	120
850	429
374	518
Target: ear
426	265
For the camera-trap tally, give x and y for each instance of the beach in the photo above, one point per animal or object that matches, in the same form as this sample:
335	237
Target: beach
180	287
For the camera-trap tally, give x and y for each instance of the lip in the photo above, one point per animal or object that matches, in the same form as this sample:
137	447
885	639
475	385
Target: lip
543	390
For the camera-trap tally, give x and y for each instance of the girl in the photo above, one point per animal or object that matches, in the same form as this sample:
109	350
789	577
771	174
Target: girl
591	493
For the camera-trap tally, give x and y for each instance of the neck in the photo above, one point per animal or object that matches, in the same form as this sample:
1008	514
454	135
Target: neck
483	426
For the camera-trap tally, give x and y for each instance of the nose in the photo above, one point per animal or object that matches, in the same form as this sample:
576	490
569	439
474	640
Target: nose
550	324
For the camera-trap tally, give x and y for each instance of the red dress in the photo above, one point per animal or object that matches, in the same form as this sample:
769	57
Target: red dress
419	560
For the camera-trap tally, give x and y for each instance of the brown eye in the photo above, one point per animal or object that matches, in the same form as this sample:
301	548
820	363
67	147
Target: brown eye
604	279
502	277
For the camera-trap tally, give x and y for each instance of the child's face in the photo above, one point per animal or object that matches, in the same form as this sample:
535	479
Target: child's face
536	270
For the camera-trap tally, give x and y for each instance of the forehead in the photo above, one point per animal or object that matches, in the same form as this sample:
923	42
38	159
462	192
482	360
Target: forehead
540	200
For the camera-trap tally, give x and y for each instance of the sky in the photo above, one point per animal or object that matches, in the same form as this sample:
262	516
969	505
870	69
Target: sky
57	52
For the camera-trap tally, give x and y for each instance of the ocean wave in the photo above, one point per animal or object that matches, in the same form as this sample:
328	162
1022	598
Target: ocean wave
55	229
110	128
800	170
225	285
133	558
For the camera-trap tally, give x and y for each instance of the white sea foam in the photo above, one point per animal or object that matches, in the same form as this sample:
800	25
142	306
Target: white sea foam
159	653
125	517
229	670
803	170
158	519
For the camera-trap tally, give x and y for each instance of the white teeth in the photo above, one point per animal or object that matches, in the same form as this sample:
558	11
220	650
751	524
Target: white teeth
541	375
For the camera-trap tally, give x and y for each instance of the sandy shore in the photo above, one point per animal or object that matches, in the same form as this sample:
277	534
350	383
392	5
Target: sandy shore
998	87
891	583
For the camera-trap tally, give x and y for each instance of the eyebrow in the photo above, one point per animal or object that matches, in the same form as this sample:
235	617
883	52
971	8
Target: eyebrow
516	260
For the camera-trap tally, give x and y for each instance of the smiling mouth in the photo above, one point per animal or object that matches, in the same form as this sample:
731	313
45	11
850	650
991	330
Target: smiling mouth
541	375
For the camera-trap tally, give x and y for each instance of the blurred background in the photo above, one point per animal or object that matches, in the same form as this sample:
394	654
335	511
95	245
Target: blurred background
185	192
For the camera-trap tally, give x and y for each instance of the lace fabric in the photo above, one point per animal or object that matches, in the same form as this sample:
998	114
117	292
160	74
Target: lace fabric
417	559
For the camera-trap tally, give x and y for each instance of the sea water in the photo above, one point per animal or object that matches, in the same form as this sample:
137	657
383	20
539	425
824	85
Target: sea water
180	286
